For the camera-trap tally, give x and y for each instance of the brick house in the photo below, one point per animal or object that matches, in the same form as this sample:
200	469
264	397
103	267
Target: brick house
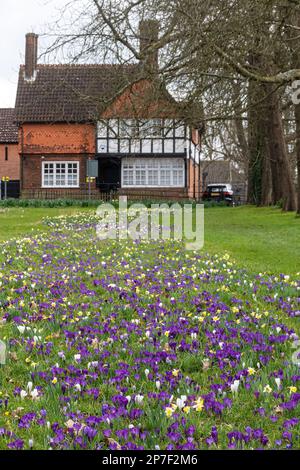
143	140
9	153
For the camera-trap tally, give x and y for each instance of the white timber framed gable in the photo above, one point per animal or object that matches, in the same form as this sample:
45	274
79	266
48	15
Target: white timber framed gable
141	136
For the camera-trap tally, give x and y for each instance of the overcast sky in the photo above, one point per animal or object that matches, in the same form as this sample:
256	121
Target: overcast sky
19	17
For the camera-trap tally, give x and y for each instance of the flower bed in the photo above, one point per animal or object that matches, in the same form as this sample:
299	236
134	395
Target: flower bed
143	346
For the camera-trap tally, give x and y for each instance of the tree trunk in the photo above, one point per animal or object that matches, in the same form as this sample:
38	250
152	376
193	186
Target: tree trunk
295	63
259	174
283	189
270	176
297	118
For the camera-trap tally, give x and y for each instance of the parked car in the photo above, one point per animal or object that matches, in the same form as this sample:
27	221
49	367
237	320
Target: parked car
219	193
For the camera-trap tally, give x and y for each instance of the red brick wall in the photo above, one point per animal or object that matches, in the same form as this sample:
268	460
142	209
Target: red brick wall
57	138
54	142
11	167
141	101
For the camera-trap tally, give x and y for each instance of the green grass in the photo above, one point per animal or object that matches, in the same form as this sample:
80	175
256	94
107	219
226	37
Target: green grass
261	239
19	222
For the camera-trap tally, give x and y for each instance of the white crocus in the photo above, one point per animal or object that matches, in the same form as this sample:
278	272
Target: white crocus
180	402
235	386
139	399
34	394
23	394
278	382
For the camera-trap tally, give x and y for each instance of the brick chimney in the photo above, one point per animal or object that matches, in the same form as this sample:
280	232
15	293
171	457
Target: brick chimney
31	55
149	31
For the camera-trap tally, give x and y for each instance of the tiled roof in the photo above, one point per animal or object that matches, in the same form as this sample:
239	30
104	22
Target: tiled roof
8	129
70	93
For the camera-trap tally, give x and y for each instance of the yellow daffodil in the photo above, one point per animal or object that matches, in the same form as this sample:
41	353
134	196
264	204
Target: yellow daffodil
169	412
199	404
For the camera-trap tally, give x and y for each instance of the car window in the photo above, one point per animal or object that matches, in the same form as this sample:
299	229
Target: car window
217	188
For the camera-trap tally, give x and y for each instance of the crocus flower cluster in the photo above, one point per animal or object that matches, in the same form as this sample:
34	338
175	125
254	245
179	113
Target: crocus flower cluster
143	345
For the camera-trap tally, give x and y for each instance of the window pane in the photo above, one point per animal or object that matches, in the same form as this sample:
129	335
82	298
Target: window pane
153	177
165	177
140	177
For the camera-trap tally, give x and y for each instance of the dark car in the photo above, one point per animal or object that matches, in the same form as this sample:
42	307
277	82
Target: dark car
219	193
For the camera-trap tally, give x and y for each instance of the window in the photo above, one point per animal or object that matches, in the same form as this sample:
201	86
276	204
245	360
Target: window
159	172
6	154
60	174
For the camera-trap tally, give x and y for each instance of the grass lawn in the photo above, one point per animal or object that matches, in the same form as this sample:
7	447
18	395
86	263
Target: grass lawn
19	222
262	240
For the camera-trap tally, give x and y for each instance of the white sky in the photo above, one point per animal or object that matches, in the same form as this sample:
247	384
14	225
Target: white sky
18	17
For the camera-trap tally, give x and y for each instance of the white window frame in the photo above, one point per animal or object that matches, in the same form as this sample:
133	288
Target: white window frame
154	164
57	186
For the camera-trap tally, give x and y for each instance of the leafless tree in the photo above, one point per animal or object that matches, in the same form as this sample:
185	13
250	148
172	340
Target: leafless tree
236	56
